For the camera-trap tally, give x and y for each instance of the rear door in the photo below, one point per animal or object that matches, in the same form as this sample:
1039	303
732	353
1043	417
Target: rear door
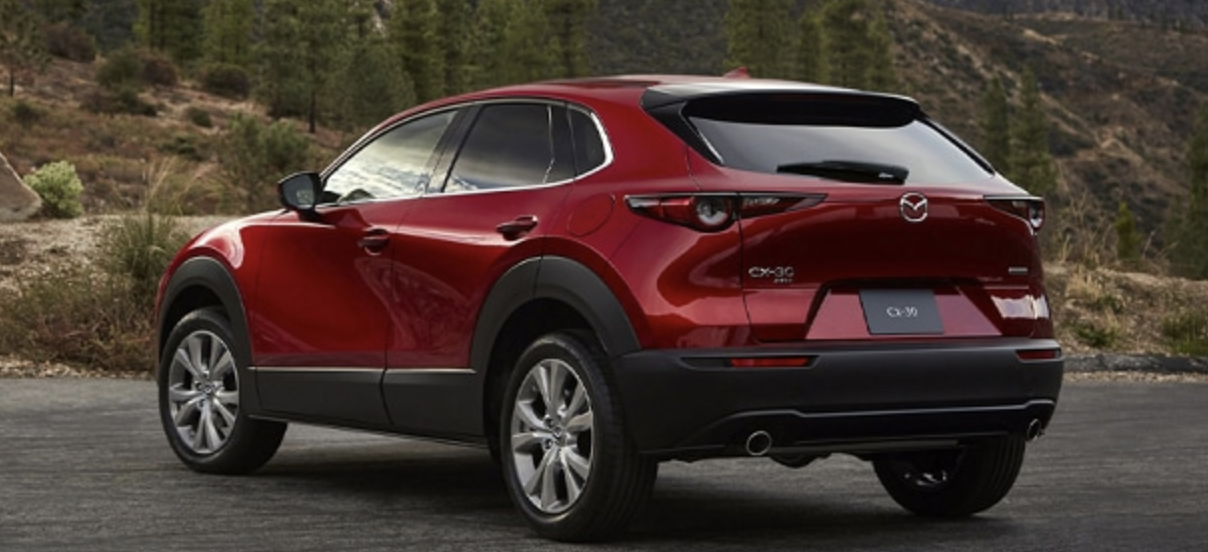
492	207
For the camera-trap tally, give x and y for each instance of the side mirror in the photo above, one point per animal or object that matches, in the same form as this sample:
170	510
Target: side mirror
300	193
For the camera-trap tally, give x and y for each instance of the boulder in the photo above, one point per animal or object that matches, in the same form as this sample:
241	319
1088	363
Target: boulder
17	201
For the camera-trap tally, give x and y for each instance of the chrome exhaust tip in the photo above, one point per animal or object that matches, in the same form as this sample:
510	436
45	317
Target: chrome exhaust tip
758	443
1035	430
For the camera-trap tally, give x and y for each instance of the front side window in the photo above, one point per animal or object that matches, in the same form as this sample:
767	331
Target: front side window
394	165
513	145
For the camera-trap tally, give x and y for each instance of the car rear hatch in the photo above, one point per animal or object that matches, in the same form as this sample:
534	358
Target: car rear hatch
881	224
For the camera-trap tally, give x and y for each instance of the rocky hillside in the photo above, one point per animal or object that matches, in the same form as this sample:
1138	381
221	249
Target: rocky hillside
1168	13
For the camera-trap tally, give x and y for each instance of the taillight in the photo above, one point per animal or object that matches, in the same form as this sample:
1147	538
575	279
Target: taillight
1027	208
716	212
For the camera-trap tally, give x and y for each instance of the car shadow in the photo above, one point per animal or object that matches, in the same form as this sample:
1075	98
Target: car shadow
686	507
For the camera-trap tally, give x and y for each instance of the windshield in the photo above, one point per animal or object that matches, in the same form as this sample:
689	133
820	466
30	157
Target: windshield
800	139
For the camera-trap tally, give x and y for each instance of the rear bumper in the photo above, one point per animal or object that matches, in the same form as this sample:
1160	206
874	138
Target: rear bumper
855	398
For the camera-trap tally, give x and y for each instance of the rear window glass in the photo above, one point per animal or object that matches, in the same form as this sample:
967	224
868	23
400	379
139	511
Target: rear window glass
834	138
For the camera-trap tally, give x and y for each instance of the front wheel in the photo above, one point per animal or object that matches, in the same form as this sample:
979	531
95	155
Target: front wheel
952	483
200	395
567	460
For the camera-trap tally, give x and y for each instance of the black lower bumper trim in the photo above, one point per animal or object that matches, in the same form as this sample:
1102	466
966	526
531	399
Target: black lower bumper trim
848	399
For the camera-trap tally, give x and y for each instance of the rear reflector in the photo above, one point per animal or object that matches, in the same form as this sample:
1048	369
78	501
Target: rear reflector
771	362
1038	354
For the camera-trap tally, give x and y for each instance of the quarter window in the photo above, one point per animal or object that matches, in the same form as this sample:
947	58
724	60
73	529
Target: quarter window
394	165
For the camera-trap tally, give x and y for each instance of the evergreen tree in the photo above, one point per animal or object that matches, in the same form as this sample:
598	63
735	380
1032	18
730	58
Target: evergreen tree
1031	162
22	49
759	36
371	84
811	49
280	82
171	26
1189	228
456	18
567	21
1128	240
881	73
414	29
995	126
510	43
54	11
847	44
228	26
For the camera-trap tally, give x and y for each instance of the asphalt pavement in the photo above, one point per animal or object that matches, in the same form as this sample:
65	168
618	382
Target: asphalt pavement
84	466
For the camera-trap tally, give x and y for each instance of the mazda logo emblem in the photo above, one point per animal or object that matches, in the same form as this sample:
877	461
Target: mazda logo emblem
913	207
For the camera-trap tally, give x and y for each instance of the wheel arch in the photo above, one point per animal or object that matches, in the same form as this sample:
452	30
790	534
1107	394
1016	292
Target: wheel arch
204	282
537	296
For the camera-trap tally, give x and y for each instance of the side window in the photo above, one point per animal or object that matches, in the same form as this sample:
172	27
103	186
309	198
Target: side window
393	166
589	145
513	145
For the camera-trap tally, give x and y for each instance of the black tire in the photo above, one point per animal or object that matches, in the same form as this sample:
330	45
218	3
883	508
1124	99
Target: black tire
952	483
199	397
585	502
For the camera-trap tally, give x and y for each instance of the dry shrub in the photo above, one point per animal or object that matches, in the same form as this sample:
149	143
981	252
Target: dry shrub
69	42
100	314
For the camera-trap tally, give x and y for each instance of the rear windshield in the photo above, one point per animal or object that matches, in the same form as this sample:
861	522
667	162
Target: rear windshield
833	137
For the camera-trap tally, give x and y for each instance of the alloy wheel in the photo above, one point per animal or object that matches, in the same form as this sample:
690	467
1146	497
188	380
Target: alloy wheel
551	436
203	392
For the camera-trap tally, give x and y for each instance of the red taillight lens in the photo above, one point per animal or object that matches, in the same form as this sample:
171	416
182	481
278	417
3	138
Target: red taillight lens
1027	208
716	212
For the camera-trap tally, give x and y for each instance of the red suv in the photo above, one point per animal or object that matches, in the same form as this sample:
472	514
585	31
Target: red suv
589	277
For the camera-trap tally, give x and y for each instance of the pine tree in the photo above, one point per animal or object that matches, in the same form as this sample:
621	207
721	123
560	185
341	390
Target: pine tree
567	21
811	48
995	126
1189	227
847	43
371	84
1128	240
1031	162
453	32
278	69
54	11
759	36
881	73
414	30
228	27
22	49
510	45
171	26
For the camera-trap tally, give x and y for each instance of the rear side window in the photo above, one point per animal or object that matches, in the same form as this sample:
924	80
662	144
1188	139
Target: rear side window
852	138
512	145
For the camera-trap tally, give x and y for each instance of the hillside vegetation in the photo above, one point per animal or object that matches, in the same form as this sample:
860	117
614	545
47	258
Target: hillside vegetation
1119	92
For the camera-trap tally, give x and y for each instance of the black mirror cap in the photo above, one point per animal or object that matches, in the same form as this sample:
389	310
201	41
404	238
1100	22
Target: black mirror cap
300	192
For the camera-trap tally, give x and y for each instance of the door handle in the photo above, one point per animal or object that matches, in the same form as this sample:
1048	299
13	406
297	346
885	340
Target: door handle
517	227
374	240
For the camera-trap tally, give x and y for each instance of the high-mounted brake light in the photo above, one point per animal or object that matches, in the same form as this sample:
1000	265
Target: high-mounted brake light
716	212
1028	208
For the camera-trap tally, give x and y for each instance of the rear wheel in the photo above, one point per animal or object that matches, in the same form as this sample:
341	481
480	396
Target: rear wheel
952	483
200	396
568	463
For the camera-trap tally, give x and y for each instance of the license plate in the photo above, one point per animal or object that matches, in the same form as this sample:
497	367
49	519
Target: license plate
901	312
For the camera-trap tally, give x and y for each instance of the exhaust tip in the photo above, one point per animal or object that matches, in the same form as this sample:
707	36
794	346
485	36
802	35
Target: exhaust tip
758	443
1035	430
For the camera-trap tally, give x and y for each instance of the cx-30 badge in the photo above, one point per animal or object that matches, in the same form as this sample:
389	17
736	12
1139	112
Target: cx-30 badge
913	207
